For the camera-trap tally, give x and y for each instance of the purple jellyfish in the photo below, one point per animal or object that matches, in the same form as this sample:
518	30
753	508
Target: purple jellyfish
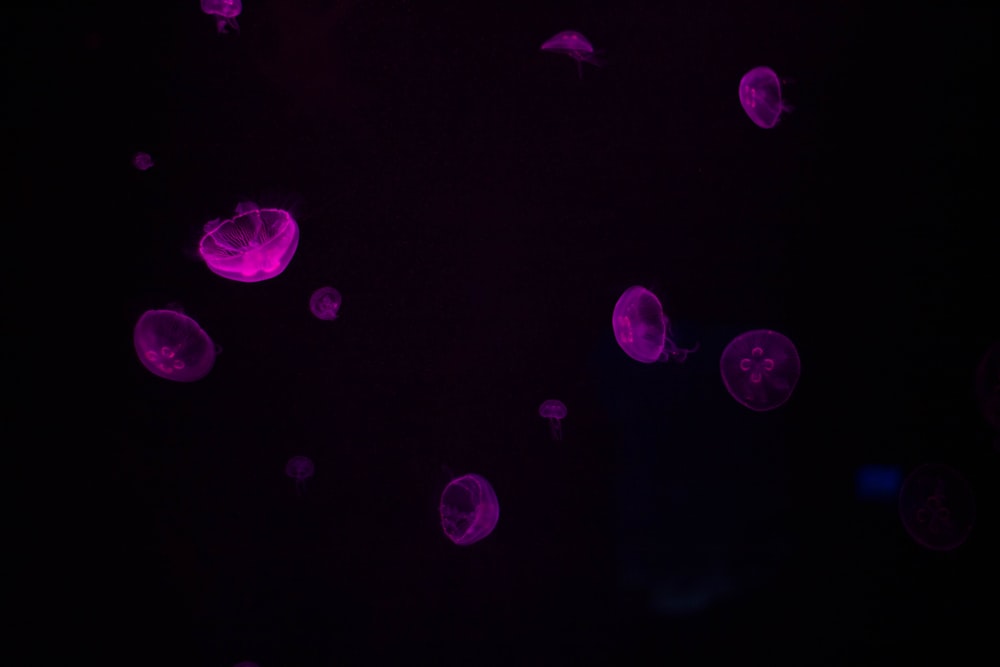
224	11
325	303
554	411
173	346
300	468
257	244
576	46
142	161
760	95
469	509
937	507
642	329
760	369
988	385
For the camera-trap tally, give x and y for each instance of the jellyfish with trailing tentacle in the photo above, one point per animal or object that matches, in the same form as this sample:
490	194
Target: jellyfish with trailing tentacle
761	97
256	244
469	509
937	507
555	412
173	346
760	369
576	46
643	330
300	468
325	303
225	13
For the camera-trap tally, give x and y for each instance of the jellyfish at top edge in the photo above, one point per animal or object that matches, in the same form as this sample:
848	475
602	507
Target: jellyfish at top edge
142	161
555	412
643	330
469	509
325	303
760	369
760	95
937	507
576	46
256	244
300	468
225	13
173	346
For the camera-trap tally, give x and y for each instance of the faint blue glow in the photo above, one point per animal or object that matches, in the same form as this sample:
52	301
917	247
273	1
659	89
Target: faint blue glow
878	482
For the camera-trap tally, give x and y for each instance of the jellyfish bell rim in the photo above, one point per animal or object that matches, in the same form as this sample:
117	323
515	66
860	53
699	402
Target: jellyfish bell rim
555	43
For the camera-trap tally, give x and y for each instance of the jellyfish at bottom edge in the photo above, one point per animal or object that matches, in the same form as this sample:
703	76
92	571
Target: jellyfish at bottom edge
469	509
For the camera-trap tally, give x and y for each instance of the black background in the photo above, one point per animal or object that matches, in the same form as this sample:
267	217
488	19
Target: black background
481	209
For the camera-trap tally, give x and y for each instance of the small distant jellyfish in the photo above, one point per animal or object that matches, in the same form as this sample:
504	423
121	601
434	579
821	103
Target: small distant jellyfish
937	507
576	46
173	346
300	468
643	330
555	412
325	303
760	95
257	244
469	509
225	12
142	161
760	369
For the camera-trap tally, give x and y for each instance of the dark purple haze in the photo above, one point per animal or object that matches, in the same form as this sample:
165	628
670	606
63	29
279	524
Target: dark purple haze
937	507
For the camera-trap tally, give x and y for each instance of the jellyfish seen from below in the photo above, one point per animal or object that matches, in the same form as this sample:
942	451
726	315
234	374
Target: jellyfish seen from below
469	509
937	507
325	303
760	95
555	412
576	46
760	369
988	386
142	161
173	346
224	11
643	330
256	244
300	468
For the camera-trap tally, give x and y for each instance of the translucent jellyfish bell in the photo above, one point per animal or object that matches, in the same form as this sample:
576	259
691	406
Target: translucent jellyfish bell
760	369
937	507
469	509
576	46
300	468
257	244
555	412
325	303
225	12
142	161
643	330
173	346
760	95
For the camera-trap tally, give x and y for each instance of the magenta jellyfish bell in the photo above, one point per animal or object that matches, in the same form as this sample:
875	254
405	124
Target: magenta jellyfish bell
325	303
555	412
224	11
760	369
576	46
761	97
642	329
142	161
300	468
256	244
937	507
469	509
173	346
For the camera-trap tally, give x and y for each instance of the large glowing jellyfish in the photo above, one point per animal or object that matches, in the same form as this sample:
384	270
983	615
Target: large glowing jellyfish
988	385
469	509
642	329
142	161
555	412
224	11
760	369
760	95
257	244
300	468
325	303
576	46
172	345
937	507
